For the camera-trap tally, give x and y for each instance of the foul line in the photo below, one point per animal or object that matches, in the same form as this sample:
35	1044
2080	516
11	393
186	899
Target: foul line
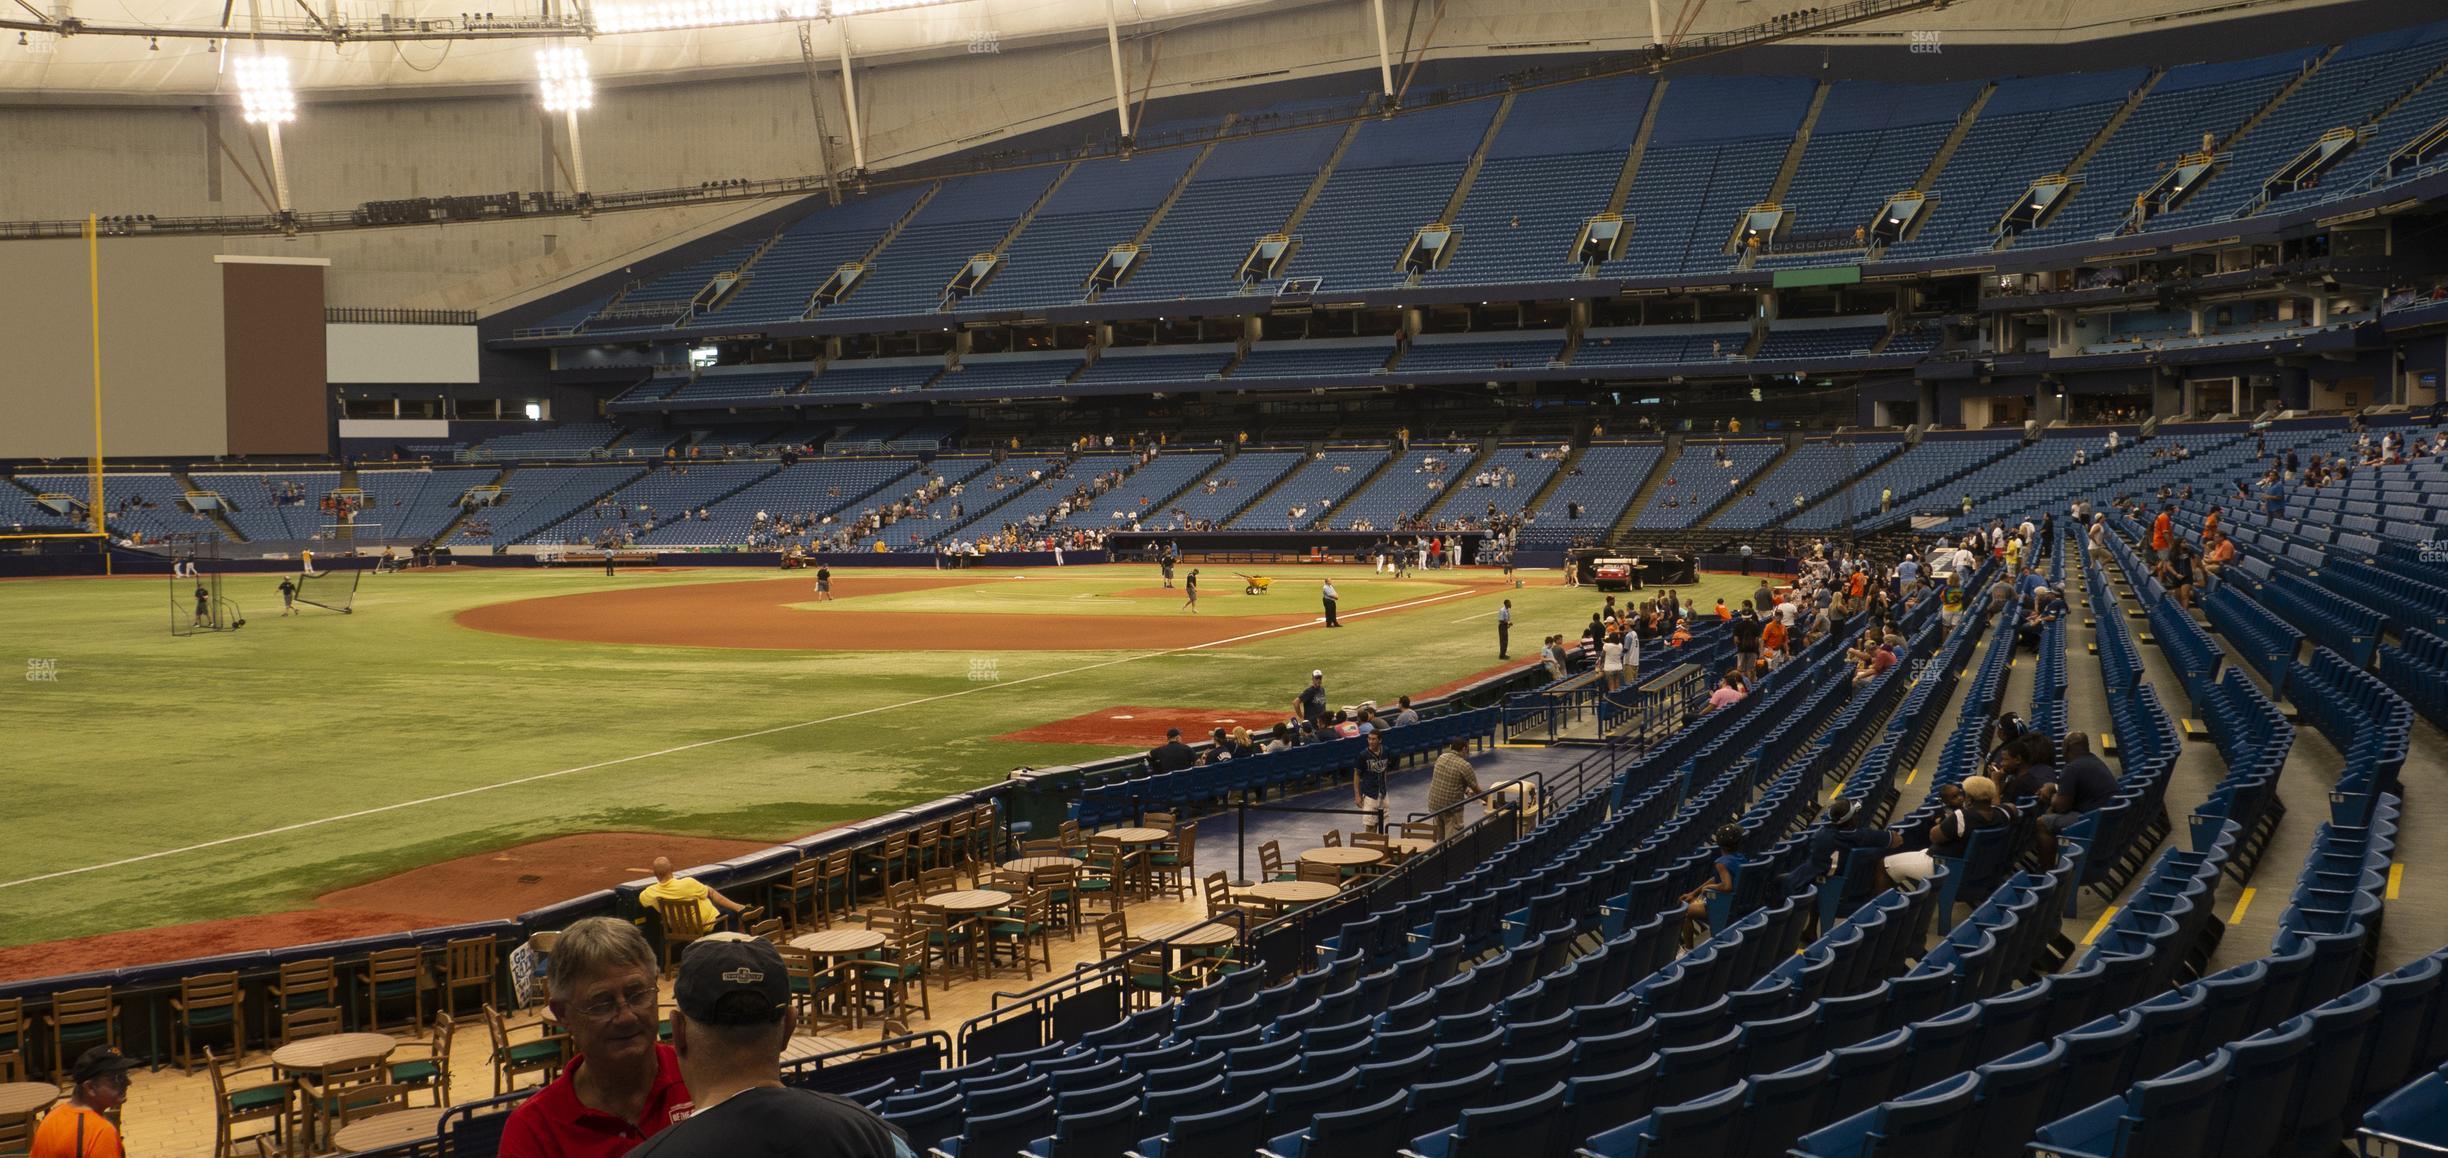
690	747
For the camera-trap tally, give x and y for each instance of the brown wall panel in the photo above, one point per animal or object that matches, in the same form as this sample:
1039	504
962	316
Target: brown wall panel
274	349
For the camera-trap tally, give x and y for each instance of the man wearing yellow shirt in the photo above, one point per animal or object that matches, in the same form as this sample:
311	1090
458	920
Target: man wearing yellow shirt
710	904
77	1127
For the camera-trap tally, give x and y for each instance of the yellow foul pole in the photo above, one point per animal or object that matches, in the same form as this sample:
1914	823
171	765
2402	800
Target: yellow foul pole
93	279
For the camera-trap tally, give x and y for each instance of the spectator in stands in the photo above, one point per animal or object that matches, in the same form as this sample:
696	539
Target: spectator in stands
1730	691
1746	636
1976	809
2163	532
1172	755
1730	861
732	1016
667	887
1311	706
1369	778
1831	842
623	1087
2175	573
2083	786
2039	766
2047	607
1451	781
2222	552
81	1127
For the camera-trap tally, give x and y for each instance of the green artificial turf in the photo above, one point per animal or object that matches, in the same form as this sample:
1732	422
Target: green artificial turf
143	742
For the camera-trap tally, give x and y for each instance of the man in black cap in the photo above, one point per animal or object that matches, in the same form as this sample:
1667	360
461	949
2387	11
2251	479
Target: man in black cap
731	1019
1311	705
79	1127
1173	755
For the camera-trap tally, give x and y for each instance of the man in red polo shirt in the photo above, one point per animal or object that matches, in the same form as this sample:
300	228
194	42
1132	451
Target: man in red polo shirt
624	1086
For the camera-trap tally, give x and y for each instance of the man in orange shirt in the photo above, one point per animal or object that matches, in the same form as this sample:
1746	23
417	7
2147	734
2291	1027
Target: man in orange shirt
77	1128
2210	524
1772	638
2163	531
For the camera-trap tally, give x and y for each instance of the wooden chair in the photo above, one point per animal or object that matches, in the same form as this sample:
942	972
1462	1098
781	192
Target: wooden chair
985	834
512	1058
952	938
324	1097
1017	924
886	863
1145	983
307	984
1372	838
1163	820
901	894
322	1021
1044	848
239	1100
1419	830
364	1100
12	1066
12	1025
1060	884
1173	861
954	851
839	878
1271	863
1068	835
1221	903
1324	874
468	963
1105	876
212	1002
890	974
80	1019
395	975
823	995
683	921
425	1064
16	1137
1334	838
937	880
797	894
769	929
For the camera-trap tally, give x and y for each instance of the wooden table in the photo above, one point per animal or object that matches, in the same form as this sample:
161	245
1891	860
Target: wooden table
1285	894
803	1045
1134	835
1033	863
1191	934
26	1099
415	1124
1343	857
317	1054
968	902
839	942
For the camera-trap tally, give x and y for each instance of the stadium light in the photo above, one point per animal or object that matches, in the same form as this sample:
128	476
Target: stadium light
264	95
265	98
561	72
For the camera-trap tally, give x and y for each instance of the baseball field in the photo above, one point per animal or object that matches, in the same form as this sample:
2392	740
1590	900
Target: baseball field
475	742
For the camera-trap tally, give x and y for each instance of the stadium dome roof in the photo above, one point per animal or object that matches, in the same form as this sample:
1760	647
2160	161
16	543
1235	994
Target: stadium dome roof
105	51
